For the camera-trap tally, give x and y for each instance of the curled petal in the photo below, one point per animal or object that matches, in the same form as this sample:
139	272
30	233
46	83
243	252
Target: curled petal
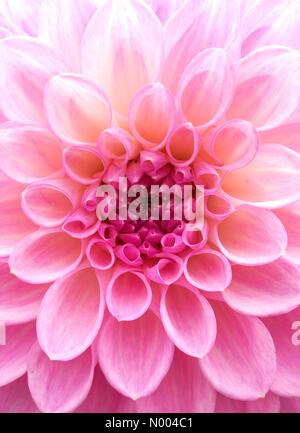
188	320
164	269
100	254
180	155
196	238
135	356
129	254
44	256
172	243
77	110
81	224
125	54
47	382
70	315
251	236
206	176
118	144
128	295
242	363
152	162
218	206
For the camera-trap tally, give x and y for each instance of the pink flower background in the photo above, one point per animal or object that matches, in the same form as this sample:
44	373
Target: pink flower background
146	316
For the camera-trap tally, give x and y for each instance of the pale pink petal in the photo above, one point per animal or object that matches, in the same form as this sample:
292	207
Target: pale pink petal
193	28
120	52
179	155
44	256
188	320
118	144
49	202
47	382
218	206
264	290
19	301
289	216
77	110
14	354
242	363
128	295
16	398
135	356
251	236
267	74
28	153
287	134
286	339
23	13
206	176
70	315
272	179
26	67
164	9
211	76
152	115
183	390
207	270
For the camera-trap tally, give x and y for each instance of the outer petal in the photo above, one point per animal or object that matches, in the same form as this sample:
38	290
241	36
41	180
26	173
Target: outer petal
290	217
70	315
127	54
14	355
135	356
188	320
264	290
44	256
48	385
269	404
242	363
26	67
19	301
290	405
184	389
164	9
16	398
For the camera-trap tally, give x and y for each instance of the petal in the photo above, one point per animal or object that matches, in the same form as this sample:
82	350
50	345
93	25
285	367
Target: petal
285	336
290	405
287	134
264	290
188	320
81	224
14	225
19	301
47	382
164	9
290	216
251	236
207	270
179	155
164	269
44	256
28	153
267	74
118	144
183	390
152	115
135	356
193	28
127	54
211	76
242	363
70	315
269	404
100	254
26	67
128	295
77	110
272	179
16	398
14	355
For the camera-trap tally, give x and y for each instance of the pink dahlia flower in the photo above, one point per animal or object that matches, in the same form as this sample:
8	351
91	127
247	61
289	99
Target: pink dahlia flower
144	315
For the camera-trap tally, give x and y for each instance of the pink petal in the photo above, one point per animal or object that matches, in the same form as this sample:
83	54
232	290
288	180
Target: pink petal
287	378
152	131
27	66
264	290
269	404
289	216
118	144
16	398
218	206
193	28
135	356
19	301
188	320
88	110
267	74
164	9
100	254
183	390
44	256
271	180
120	52
251	236
164	269
128	295
48	203
14	355
24	14
70	315
81	224
211	76
28	152
14	225
179	155
242	363
47	382
290	405
287	134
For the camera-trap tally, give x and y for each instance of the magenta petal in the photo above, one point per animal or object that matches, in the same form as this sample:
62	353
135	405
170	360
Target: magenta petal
16	398
269	404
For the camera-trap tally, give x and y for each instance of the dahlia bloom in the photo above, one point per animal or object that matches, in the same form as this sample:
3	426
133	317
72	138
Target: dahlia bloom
147	316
